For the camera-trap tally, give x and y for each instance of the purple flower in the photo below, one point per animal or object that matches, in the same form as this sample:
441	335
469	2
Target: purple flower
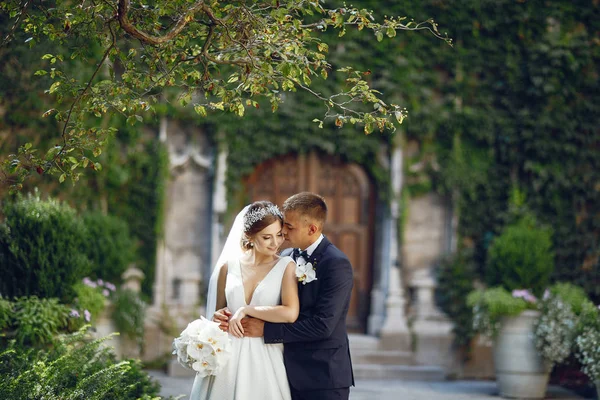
88	282
105	292
87	315
110	286
525	295
100	282
74	313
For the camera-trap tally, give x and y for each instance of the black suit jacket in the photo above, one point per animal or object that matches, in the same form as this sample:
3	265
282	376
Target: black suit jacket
316	348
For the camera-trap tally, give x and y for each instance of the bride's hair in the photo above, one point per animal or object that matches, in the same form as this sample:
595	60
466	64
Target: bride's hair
260	214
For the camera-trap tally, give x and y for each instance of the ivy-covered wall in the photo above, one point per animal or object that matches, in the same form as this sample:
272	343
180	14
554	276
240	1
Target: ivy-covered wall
515	103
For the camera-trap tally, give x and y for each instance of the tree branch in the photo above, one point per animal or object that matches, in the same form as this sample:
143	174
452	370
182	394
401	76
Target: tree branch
10	34
80	95
123	9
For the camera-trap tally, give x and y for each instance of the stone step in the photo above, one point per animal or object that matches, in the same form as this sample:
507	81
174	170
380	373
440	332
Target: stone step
362	342
390	357
398	372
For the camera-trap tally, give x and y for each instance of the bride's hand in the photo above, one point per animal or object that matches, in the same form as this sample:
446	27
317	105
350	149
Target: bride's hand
235	323
222	317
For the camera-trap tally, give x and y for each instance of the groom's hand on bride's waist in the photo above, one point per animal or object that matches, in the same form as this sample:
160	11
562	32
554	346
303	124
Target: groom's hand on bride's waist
222	317
253	327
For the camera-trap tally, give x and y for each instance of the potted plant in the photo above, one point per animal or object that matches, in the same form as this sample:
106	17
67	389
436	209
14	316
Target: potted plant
520	262
587	342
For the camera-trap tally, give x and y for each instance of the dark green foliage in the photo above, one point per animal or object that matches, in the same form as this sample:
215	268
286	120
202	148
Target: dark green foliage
521	91
109	246
129	314
521	258
42	243
75	368
455	276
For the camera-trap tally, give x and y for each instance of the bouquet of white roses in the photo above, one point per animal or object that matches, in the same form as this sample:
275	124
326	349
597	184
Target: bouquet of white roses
203	347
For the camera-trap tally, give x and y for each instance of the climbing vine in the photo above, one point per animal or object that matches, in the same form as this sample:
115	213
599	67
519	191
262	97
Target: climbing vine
516	103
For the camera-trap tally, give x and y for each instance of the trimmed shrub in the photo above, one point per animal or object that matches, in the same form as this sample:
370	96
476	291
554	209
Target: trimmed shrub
521	258
109	246
41	242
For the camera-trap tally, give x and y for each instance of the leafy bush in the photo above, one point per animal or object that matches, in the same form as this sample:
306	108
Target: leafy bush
38	321
572	295
490	305
554	330
589	317
75	368
41	246
108	246
455	276
89	299
129	314
588	354
521	258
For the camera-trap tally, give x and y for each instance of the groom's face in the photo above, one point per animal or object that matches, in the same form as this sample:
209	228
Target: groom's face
297	230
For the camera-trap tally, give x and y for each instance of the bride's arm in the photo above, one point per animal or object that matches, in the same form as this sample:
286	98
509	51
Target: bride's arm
287	312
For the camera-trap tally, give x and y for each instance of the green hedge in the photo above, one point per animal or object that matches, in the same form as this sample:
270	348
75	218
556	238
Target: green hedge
42	243
46	249
109	246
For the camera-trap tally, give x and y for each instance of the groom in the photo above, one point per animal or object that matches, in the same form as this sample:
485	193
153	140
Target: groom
316	352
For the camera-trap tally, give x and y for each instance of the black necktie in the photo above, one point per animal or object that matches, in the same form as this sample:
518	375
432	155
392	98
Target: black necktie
297	253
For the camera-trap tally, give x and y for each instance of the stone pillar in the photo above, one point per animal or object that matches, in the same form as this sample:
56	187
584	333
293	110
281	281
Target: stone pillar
133	278
219	207
394	332
379	291
381	270
433	330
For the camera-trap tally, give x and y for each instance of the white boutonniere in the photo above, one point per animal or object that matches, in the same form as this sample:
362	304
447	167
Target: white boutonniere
306	273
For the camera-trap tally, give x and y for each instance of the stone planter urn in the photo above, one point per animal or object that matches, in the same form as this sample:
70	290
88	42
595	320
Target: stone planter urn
521	372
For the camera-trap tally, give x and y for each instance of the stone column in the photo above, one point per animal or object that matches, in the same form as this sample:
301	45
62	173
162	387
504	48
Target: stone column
394	332
219	207
433	330
133	278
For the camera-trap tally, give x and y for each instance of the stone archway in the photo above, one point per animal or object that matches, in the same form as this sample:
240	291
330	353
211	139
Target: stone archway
350	199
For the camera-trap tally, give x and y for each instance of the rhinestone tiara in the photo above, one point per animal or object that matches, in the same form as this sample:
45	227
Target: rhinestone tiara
258	214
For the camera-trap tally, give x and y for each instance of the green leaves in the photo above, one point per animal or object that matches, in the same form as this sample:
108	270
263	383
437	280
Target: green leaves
242	54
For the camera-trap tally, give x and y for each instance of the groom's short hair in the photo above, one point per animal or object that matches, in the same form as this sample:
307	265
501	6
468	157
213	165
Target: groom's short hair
308	204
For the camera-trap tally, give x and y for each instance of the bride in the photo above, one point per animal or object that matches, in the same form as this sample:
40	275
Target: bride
250	279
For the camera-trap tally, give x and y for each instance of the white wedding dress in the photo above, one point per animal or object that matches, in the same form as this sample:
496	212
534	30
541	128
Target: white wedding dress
255	370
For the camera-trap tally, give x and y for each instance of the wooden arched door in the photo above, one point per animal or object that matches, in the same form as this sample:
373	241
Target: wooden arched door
349	196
